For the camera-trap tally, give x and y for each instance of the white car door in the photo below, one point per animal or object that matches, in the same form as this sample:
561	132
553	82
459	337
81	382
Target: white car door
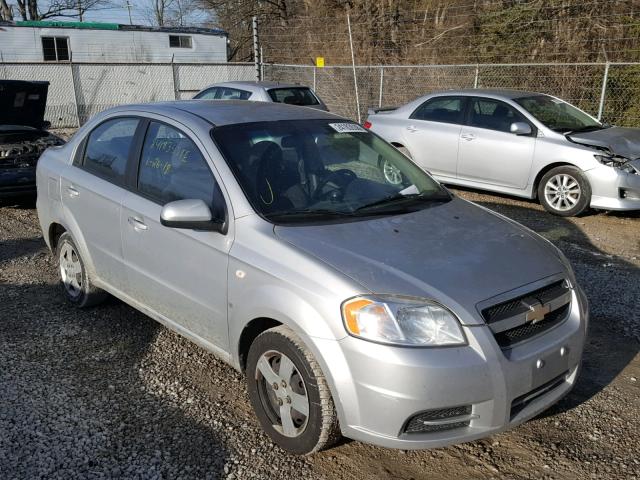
432	133
180	274
93	190
489	152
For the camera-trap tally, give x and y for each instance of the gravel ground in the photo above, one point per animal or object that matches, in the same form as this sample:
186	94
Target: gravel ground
108	393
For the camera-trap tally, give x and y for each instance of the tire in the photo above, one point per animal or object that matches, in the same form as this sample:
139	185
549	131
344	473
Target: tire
74	279
564	191
305	386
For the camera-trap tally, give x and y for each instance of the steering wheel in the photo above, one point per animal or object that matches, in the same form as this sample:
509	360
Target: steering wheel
342	178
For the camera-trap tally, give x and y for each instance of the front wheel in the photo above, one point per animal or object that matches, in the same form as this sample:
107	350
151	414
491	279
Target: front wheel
289	393
564	191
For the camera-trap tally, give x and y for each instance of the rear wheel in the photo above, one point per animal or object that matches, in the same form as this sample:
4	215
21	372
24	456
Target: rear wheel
289	393
564	191
74	278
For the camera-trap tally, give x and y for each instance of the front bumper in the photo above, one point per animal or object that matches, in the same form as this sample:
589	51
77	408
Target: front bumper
17	181
614	189
379	388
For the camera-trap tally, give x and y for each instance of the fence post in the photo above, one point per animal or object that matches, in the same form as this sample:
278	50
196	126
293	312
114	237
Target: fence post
381	83
353	64
174	78
261	64
75	90
256	59
314	78
475	80
603	92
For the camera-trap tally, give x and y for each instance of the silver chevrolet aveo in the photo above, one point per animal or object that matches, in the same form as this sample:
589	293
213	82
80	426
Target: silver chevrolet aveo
395	314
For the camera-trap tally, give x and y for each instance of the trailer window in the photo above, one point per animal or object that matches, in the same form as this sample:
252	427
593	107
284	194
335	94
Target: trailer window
55	49
179	41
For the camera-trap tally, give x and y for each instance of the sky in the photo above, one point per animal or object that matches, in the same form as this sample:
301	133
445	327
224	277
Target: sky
117	12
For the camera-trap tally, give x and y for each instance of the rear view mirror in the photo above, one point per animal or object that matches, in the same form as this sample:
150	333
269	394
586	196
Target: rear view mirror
192	214
521	128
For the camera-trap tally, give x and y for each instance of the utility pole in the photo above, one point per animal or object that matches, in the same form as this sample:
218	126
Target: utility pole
129	8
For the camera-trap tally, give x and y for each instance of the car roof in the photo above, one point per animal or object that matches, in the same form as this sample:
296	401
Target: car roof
229	112
254	85
488	92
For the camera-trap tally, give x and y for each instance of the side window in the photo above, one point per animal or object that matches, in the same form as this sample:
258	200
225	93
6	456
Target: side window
493	114
208	94
108	147
441	109
233	94
172	168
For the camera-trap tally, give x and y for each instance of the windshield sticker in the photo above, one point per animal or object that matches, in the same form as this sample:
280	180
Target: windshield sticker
347	128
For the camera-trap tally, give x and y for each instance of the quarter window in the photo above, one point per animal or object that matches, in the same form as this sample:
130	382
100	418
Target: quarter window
179	41
108	148
55	49
172	168
493	114
441	109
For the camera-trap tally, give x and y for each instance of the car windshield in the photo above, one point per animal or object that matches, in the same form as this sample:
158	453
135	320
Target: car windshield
300	170
558	115
293	96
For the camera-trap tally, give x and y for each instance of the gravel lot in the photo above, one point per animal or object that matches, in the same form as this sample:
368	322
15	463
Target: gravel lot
107	392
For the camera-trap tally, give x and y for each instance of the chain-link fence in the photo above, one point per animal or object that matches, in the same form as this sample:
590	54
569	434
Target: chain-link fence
610	91
78	91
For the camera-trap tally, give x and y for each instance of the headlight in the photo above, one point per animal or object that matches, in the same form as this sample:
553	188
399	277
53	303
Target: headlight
401	321
616	161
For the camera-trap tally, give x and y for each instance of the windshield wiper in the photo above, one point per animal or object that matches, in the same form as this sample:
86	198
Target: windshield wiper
590	128
320	212
399	199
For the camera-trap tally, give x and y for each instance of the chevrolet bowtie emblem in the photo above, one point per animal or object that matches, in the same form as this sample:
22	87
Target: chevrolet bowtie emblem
537	312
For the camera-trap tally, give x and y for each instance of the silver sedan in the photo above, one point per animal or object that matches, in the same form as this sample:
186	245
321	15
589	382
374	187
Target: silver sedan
396	314
289	93
519	143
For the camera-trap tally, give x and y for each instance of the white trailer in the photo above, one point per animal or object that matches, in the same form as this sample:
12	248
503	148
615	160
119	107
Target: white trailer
93	42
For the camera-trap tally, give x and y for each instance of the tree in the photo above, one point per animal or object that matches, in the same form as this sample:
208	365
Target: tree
6	12
33	10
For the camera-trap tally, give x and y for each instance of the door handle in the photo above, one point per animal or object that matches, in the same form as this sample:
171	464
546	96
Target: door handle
136	223
468	136
412	128
71	190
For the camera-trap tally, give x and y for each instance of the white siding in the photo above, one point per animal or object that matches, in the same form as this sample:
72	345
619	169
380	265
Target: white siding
23	44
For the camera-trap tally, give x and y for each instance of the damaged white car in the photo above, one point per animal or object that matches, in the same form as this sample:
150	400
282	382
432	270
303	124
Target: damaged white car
519	143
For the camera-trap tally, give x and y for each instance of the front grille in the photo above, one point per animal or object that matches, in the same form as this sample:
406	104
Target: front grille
515	306
416	424
524	332
523	401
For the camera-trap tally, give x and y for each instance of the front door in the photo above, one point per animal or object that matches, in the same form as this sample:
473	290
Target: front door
489	153
180	274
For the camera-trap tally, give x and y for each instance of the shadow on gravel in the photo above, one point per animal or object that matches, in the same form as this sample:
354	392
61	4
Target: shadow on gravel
613	289
74	403
19	247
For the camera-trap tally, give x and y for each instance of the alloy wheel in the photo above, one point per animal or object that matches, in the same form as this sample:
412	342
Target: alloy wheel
392	174
283	393
70	270
562	192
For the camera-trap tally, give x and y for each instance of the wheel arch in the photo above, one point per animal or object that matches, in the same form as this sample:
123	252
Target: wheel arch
249	333
55	232
545	170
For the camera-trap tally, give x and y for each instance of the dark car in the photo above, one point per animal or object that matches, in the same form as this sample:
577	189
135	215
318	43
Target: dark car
23	135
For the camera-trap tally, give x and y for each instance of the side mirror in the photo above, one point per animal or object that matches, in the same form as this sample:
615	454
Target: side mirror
192	214
521	128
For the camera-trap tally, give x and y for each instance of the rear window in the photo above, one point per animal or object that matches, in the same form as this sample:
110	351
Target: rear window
293	96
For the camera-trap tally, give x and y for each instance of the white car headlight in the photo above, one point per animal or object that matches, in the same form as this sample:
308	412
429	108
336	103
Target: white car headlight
402	321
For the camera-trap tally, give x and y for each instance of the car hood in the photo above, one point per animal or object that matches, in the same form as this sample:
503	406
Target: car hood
456	253
619	140
23	103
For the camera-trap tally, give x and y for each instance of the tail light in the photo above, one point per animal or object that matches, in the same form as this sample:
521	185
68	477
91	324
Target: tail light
367	124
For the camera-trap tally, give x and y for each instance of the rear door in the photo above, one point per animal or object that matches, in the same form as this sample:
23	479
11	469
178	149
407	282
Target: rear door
432	134
489	152
180	274
93	190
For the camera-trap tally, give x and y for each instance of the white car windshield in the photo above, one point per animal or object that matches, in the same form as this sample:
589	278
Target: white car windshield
558	115
299	170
